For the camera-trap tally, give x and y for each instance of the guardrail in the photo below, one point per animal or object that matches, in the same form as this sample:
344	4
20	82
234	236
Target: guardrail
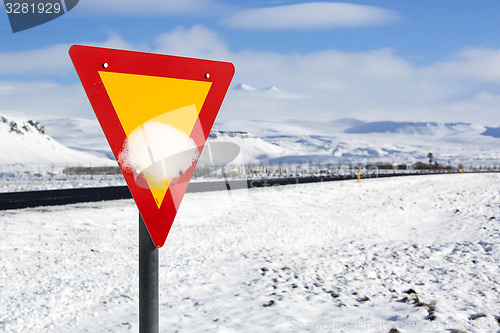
17	200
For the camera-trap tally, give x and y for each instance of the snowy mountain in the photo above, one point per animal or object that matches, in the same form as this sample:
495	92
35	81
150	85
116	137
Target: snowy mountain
243	91
77	141
26	142
79	134
244	86
356	141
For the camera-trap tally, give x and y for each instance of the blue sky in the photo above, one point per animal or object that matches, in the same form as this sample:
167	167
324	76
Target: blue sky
420	60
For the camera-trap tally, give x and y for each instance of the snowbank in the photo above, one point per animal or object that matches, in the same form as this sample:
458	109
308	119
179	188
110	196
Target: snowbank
418	253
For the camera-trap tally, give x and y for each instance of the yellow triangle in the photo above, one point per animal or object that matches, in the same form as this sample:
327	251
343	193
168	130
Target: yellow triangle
141	98
183	119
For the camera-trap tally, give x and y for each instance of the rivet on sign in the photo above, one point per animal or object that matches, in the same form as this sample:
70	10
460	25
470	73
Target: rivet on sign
105	65
207	75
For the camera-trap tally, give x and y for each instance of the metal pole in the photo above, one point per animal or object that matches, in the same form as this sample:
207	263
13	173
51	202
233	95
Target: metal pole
148	281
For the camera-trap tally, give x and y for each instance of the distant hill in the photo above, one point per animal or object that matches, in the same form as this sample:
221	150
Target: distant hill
76	141
422	128
355	141
25	142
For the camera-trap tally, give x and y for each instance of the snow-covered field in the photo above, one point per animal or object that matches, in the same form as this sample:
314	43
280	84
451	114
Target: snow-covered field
416	253
40	181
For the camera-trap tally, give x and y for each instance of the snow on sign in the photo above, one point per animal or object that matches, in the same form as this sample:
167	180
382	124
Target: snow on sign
156	112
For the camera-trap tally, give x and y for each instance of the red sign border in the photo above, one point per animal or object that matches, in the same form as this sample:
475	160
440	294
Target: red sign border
89	60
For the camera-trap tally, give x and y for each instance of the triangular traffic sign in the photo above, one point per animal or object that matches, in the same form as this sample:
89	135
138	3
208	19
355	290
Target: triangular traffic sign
156	112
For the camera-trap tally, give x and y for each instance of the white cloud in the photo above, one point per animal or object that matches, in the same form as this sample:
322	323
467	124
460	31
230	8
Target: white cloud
44	98
371	85
114	41
328	70
51	60
479	64
195	42
314	15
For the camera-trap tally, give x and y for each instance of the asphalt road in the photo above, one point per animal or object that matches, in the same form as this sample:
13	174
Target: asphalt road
17	200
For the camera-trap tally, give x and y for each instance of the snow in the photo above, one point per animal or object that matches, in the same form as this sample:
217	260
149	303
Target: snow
25	142
35	180
252	148
247	94
149	150
244	86
79	134
355	141
342	141
343	256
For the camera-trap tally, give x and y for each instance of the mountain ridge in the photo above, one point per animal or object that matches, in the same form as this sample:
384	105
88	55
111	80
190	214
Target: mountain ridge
79	141
25	142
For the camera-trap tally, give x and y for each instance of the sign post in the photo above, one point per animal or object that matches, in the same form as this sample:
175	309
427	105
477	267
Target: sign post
148	281
156	112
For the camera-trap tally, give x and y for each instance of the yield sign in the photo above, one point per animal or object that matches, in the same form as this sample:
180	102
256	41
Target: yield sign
156	112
